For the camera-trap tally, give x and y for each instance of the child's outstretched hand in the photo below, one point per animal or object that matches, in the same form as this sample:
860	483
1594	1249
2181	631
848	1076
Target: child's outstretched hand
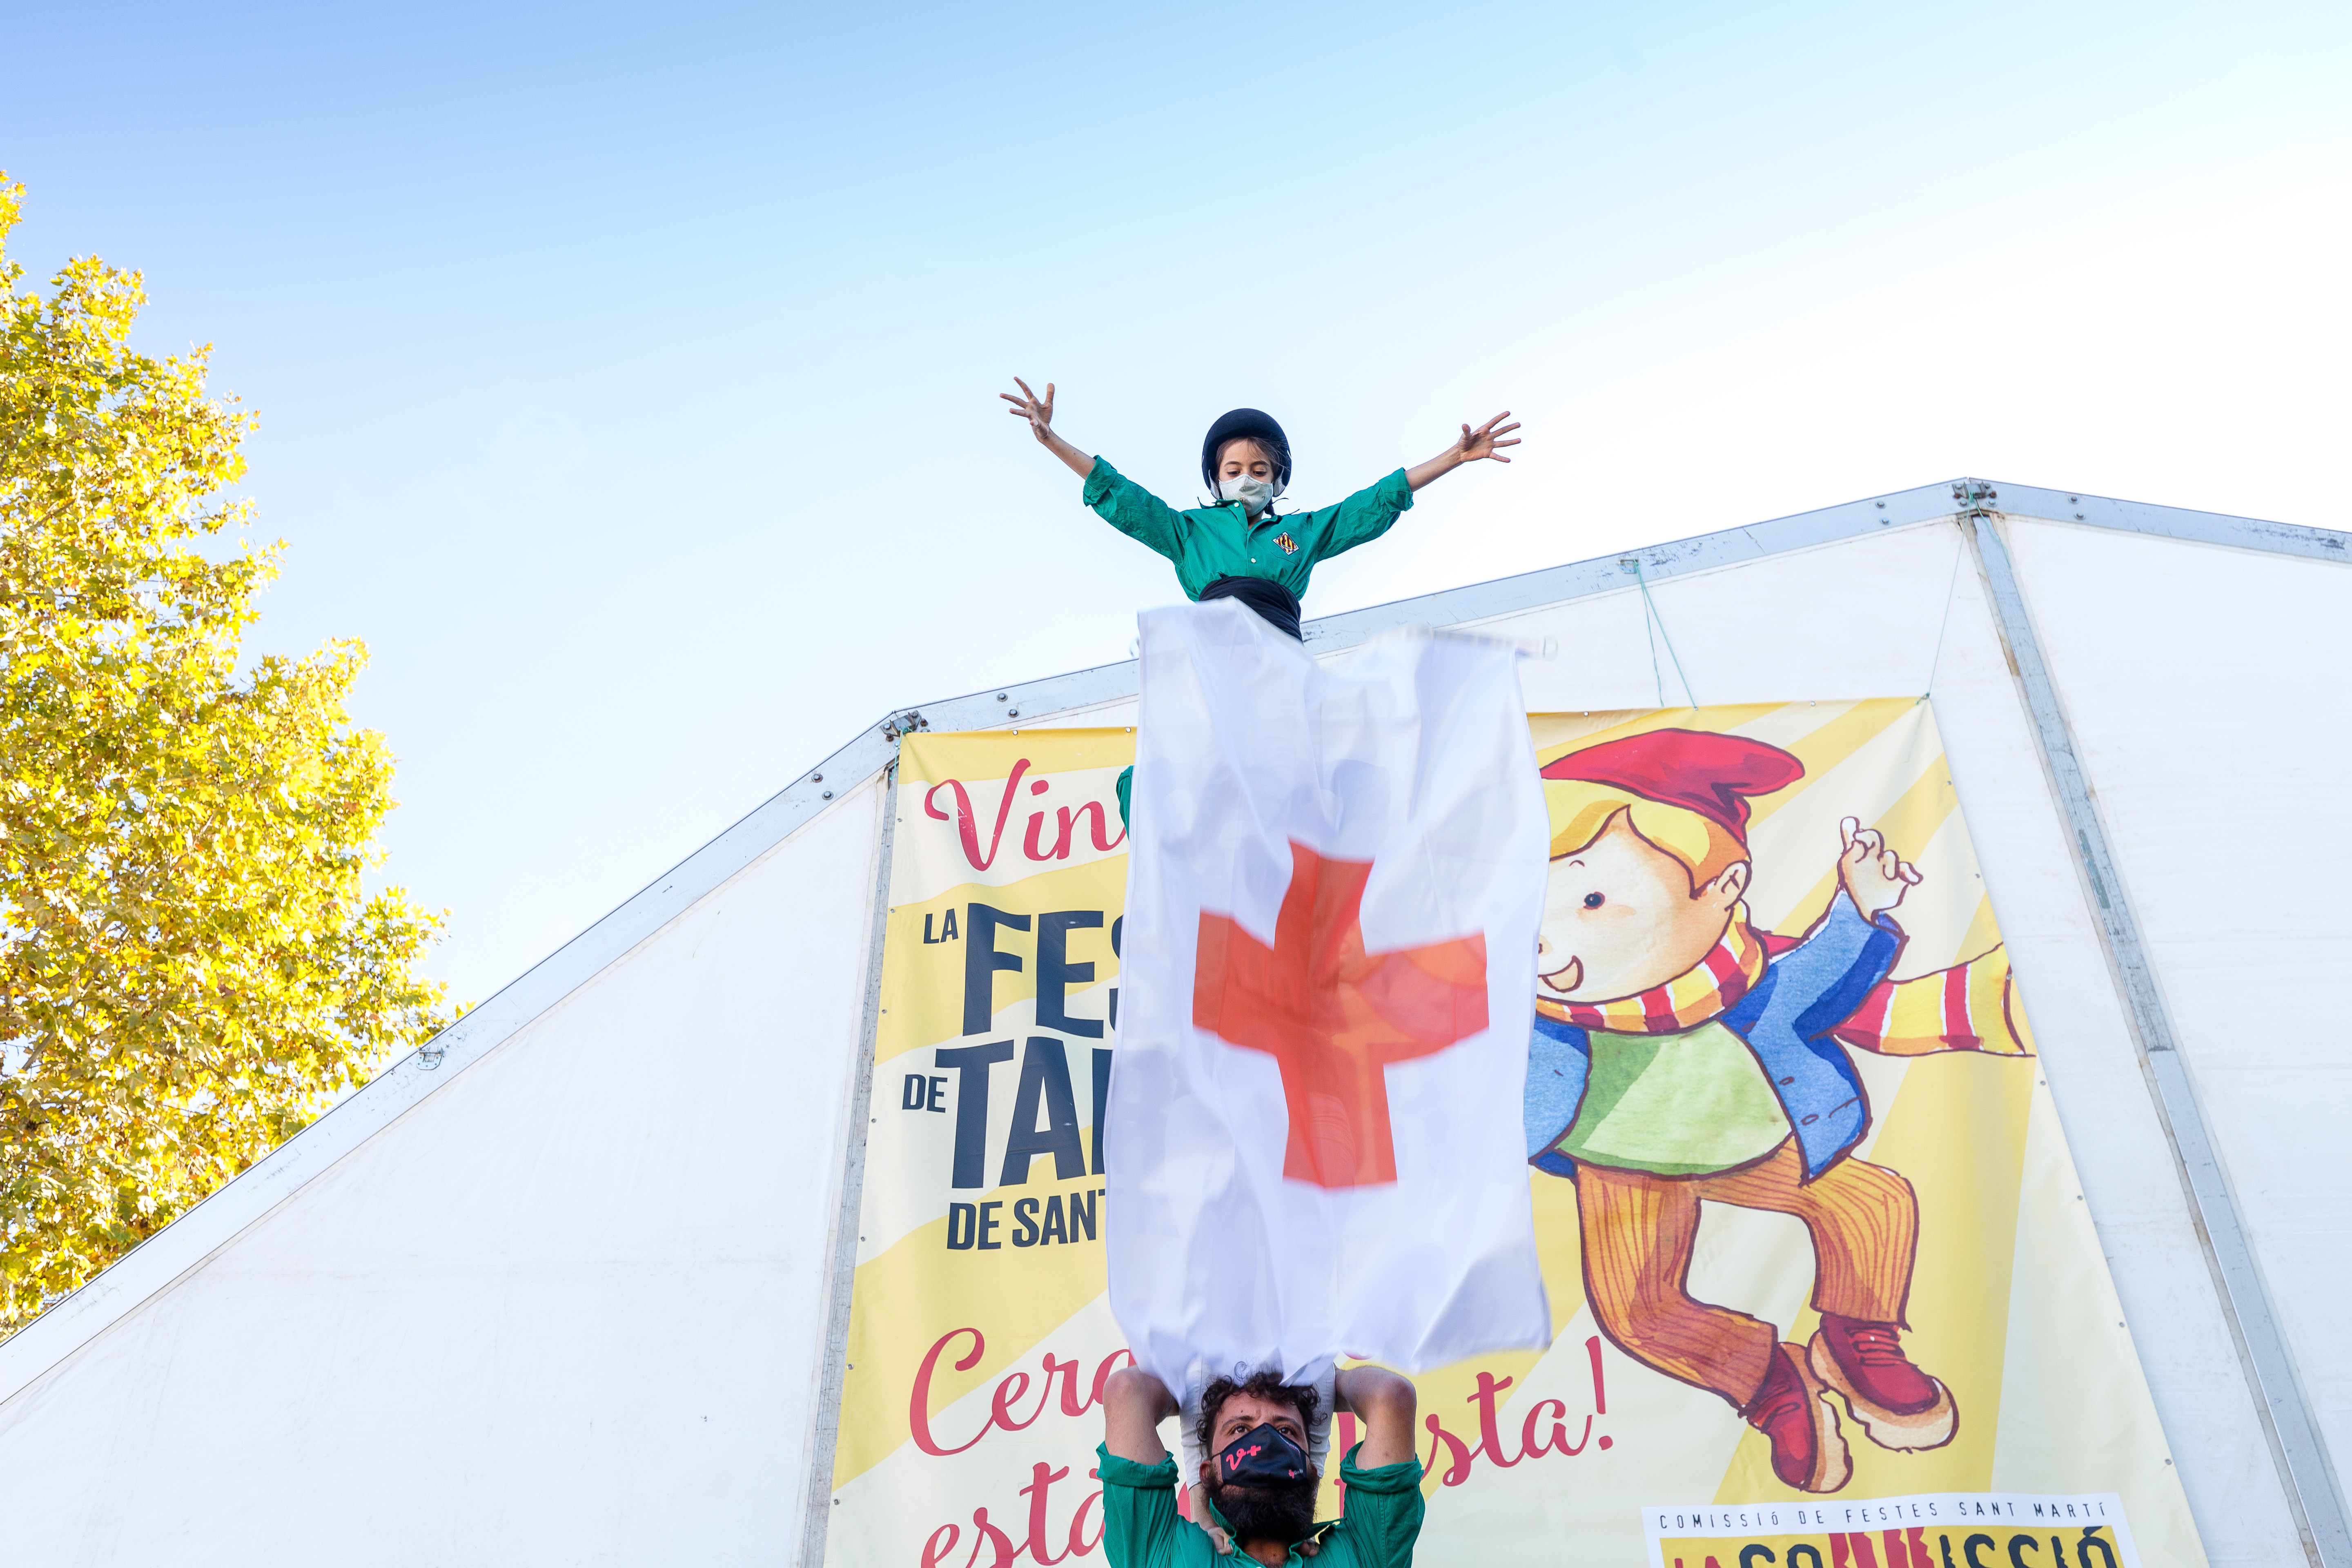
1482	442
1874	876
1039	411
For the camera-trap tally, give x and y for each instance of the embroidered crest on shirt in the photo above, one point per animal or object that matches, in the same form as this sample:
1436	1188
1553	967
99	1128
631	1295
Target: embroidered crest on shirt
1289	545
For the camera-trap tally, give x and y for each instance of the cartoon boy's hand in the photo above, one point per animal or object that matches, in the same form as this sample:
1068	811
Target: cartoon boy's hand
1874	876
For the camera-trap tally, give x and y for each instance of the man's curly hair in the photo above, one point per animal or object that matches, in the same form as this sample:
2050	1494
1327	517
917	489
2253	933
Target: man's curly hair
1266	1386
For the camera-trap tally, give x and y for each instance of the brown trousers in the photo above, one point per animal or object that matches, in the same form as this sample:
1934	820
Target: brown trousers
1639	1230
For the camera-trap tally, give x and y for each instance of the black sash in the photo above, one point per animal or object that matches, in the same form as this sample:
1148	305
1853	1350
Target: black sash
1276	605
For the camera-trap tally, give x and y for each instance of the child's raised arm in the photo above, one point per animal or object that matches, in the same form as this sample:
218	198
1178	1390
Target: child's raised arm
1473	446
1040	414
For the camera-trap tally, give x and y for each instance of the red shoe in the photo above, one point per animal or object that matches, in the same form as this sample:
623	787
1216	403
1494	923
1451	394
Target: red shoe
1791	1409
1899	1407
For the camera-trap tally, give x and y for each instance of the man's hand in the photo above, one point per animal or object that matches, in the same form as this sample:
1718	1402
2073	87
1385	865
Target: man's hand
1134	1405
1385	1402
1473	445
1874	876
1039	412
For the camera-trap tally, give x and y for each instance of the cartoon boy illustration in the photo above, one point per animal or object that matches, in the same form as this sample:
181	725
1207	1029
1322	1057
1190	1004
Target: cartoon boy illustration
1680	1054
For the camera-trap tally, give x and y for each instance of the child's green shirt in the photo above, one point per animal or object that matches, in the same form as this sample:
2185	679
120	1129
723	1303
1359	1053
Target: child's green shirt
1212	542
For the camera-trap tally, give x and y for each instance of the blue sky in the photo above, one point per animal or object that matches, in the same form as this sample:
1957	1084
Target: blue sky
627	376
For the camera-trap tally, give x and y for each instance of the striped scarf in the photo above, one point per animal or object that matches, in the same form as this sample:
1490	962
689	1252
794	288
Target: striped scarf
1706	989
1970	1006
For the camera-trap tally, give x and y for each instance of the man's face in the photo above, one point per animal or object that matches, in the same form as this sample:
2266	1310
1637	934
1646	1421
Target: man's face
1620	917
1283	1513
1245	1413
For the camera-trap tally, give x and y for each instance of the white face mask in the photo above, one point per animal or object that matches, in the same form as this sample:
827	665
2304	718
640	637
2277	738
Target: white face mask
1254	493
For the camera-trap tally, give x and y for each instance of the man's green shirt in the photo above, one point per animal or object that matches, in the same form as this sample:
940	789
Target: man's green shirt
1212	542
1142	1530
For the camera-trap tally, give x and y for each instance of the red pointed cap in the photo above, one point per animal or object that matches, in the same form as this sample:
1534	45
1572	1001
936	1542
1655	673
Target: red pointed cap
1698	770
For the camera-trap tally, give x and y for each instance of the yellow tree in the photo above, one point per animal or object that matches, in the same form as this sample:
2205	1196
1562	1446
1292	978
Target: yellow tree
191	968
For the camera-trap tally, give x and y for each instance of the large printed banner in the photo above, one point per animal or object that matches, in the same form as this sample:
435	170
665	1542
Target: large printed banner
1910	1169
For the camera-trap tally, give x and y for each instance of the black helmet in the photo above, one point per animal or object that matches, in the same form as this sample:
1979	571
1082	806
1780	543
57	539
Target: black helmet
1245	424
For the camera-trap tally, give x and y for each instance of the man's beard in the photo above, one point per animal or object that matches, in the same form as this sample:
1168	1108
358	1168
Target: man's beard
1282	1512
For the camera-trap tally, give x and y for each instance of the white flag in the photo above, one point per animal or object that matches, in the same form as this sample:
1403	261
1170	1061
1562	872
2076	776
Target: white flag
1336	876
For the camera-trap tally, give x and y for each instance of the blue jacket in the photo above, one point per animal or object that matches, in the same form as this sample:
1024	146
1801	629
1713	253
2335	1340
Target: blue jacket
1785	1019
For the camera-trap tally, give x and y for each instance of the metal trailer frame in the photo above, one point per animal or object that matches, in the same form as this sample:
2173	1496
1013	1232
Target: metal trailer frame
1977	506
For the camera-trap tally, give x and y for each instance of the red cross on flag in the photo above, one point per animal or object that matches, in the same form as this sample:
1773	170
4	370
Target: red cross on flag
1336	874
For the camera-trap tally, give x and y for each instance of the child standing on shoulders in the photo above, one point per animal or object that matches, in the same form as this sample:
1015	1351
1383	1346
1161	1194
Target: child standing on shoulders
1241	548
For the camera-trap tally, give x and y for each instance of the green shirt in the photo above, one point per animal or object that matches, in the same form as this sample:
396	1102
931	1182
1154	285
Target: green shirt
1676	1105
1212	542
1142	1530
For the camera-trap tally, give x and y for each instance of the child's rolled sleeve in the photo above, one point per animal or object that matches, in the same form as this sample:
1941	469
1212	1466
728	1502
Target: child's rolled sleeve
1132	509
1365	515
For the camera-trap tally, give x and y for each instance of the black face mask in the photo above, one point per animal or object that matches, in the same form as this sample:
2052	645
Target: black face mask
1265	1488
1263	1455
